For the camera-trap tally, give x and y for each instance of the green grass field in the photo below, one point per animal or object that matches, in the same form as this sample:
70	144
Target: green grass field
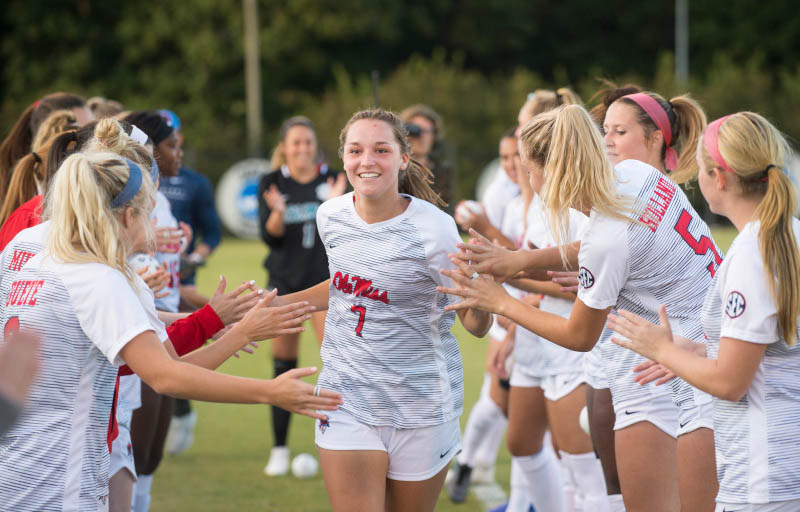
223	470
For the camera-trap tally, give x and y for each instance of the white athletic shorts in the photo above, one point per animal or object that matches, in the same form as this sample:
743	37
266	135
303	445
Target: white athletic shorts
699	416
555	387
496	331
658	409
415	454
593	369
121	447
780	506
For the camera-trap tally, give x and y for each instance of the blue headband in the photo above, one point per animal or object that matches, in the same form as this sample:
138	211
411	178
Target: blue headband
131	187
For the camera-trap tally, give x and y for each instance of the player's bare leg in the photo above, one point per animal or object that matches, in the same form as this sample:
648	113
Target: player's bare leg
647	464
601	426
356	479
697	470
414	496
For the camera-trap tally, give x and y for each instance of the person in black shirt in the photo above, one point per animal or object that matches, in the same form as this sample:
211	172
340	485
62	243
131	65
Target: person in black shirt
288	198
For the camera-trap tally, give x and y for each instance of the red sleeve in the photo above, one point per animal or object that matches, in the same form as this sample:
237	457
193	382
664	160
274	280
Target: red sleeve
24	217
190	333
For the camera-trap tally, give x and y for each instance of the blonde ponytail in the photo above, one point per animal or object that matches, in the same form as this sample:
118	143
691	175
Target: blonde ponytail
542	100
416	179
85	227
757	153
567	145
56	123
111	136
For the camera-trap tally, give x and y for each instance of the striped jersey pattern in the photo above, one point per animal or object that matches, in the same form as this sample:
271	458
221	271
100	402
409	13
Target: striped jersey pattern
756	438
666	257
387	346
162	214
56	456
538	356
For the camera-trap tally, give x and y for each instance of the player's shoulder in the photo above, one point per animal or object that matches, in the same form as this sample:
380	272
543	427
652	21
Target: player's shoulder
633	175
429	212
336	204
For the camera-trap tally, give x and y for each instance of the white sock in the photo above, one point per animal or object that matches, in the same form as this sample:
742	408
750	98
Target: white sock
587	474
616	503
518	500
571	497
543	477
480	434
141	493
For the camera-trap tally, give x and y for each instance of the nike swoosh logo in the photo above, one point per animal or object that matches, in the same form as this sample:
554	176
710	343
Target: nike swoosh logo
441	455
683	425
629	412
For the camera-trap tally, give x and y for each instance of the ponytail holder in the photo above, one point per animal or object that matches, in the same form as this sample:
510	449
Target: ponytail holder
138	135
36	104
131	187
711	143
659	116
36	157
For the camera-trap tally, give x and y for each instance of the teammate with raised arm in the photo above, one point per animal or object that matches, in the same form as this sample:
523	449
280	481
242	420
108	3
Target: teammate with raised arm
750	318
387	347
642	242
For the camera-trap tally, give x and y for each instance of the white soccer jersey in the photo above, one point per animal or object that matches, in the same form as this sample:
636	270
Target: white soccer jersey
666	257
513	228
387	347
56	456
499	193
162	214
757	437
536	355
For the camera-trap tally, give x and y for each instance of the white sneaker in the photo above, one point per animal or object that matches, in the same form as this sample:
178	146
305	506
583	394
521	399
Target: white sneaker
181	433
278	464
483	474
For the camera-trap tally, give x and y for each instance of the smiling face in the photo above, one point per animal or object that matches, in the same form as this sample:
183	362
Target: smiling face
372	159
626	139
300	147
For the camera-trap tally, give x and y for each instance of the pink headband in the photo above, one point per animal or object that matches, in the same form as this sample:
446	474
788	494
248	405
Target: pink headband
659	116
711	143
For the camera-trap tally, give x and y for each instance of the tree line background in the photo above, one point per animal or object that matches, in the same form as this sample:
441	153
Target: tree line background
474	61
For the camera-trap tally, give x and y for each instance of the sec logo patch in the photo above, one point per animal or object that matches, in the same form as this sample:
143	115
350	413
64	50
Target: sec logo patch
735	305
585	278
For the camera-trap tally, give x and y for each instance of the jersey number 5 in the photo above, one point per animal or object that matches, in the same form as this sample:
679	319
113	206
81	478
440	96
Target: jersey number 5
699	246
362	314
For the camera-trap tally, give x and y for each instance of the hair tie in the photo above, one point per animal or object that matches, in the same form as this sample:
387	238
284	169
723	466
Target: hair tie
73	136
138	135
131	187
711	143
36	104
36	157
659	116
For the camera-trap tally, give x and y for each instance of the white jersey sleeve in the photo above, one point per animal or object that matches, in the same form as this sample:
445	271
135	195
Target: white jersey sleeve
111	315
603	261
749	309
439	241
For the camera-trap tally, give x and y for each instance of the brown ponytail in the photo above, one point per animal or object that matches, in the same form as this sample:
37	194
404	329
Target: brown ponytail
416	179
18	142
757	153
25	182
608	94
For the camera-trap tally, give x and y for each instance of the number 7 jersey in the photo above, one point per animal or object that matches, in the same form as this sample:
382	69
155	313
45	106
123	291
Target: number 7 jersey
387	346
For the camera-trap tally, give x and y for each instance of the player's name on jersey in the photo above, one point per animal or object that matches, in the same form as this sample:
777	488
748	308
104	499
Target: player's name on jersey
658	204
23	293
19	260
359	286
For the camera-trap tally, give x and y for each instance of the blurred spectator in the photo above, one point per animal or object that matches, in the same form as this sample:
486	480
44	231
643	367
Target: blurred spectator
426	136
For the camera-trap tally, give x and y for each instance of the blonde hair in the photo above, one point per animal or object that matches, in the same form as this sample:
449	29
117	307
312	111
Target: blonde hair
110	135
577	174
757	152
416	179
542	100
687	120
86	229
57	122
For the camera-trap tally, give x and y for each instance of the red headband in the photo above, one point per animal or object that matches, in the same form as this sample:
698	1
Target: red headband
659	116
711	143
